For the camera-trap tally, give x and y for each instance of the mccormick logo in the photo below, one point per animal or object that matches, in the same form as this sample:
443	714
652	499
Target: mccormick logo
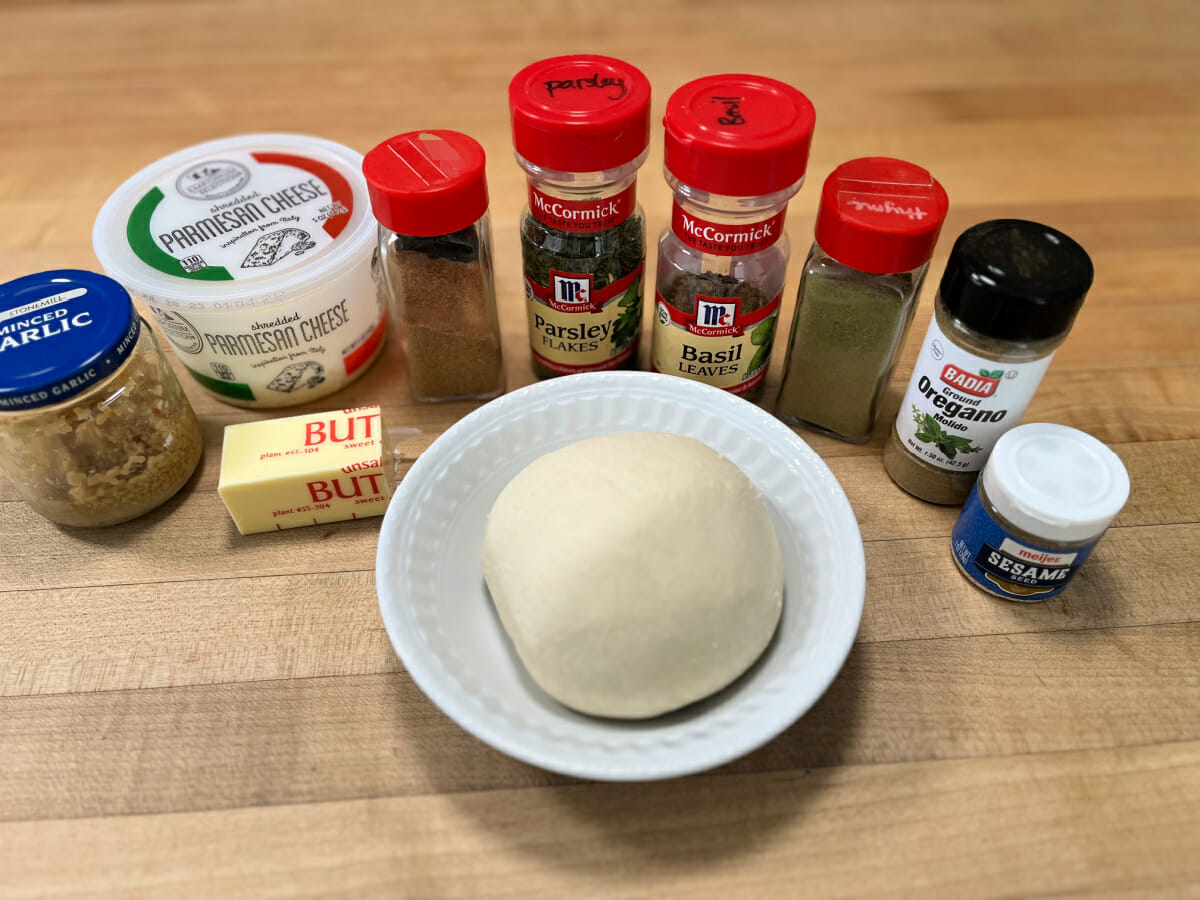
715	317
729	234
726	239
981	385
571	292
573	212
585	216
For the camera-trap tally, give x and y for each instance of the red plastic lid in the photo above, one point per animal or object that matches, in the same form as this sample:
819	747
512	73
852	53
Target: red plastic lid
580	113
427	183
739	135
880	214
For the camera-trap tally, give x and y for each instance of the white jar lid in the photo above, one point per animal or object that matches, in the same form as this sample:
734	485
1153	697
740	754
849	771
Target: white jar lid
1055	482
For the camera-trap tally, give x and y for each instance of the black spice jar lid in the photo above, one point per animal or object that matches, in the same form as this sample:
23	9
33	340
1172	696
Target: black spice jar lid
1016	280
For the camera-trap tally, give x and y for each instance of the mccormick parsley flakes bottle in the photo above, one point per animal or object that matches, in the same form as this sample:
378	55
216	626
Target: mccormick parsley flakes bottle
1008	298
736	151
581	128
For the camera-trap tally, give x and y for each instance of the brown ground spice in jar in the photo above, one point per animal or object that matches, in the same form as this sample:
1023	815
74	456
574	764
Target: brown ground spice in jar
450	334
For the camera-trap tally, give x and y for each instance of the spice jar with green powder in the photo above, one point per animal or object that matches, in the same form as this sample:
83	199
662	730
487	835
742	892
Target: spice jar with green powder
877	225
736	152
1007	300
581	129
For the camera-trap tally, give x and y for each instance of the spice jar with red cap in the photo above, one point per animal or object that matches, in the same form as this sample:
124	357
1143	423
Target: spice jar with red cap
736	152
581	128
429	193
877	225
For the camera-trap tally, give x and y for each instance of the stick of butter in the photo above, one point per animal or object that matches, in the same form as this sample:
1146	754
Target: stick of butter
305	470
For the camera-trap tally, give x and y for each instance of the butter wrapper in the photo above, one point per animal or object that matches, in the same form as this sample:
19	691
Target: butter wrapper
306	470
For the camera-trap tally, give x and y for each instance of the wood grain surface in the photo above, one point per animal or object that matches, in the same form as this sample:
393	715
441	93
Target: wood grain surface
187	712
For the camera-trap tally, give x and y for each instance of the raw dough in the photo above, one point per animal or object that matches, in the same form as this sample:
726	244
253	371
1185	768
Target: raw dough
634	573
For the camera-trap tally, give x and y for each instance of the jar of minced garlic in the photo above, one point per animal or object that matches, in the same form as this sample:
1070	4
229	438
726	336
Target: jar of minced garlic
94	427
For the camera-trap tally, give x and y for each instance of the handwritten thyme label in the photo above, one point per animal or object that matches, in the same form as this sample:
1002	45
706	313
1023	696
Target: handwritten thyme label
886	207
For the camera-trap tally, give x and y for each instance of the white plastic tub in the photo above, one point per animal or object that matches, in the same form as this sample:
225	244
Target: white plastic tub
255	256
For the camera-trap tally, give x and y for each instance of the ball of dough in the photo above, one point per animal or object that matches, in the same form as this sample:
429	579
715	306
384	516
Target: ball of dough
634	573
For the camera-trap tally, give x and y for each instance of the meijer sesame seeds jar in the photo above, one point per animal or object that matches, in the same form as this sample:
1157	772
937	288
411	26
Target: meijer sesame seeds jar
1046	497
94	427
255	256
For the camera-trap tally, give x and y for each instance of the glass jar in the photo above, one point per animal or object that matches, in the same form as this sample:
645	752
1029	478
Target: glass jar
581	128
736	152
429	192
1007	300
877	226
94	427
1045	498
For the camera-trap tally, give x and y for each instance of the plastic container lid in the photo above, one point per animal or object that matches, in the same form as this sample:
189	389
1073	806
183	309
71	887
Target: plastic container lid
880	215
1055	482
60	333
738	135
190	228
1016	280
427	183
580	113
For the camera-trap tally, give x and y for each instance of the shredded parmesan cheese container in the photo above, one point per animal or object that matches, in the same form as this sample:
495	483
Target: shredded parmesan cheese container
255	256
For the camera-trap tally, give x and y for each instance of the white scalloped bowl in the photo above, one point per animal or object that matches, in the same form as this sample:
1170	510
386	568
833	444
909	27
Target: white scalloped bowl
441	621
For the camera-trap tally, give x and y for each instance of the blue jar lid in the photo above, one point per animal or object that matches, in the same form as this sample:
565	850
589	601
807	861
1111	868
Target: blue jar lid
60	333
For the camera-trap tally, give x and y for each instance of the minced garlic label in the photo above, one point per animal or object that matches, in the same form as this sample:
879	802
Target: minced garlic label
306	470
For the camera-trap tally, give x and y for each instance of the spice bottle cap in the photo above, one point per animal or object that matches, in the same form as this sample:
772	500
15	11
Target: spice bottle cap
880	215
738	135
427	183
1016	280
580	113
61	332
1055	482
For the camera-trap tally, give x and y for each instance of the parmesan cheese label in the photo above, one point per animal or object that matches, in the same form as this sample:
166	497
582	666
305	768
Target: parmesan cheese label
242	215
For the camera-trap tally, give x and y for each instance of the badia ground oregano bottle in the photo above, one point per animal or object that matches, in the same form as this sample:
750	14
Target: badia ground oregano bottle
1007	300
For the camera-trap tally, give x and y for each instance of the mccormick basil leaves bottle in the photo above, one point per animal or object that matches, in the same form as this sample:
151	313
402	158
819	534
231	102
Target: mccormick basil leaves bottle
736	151
1008	297
581	128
